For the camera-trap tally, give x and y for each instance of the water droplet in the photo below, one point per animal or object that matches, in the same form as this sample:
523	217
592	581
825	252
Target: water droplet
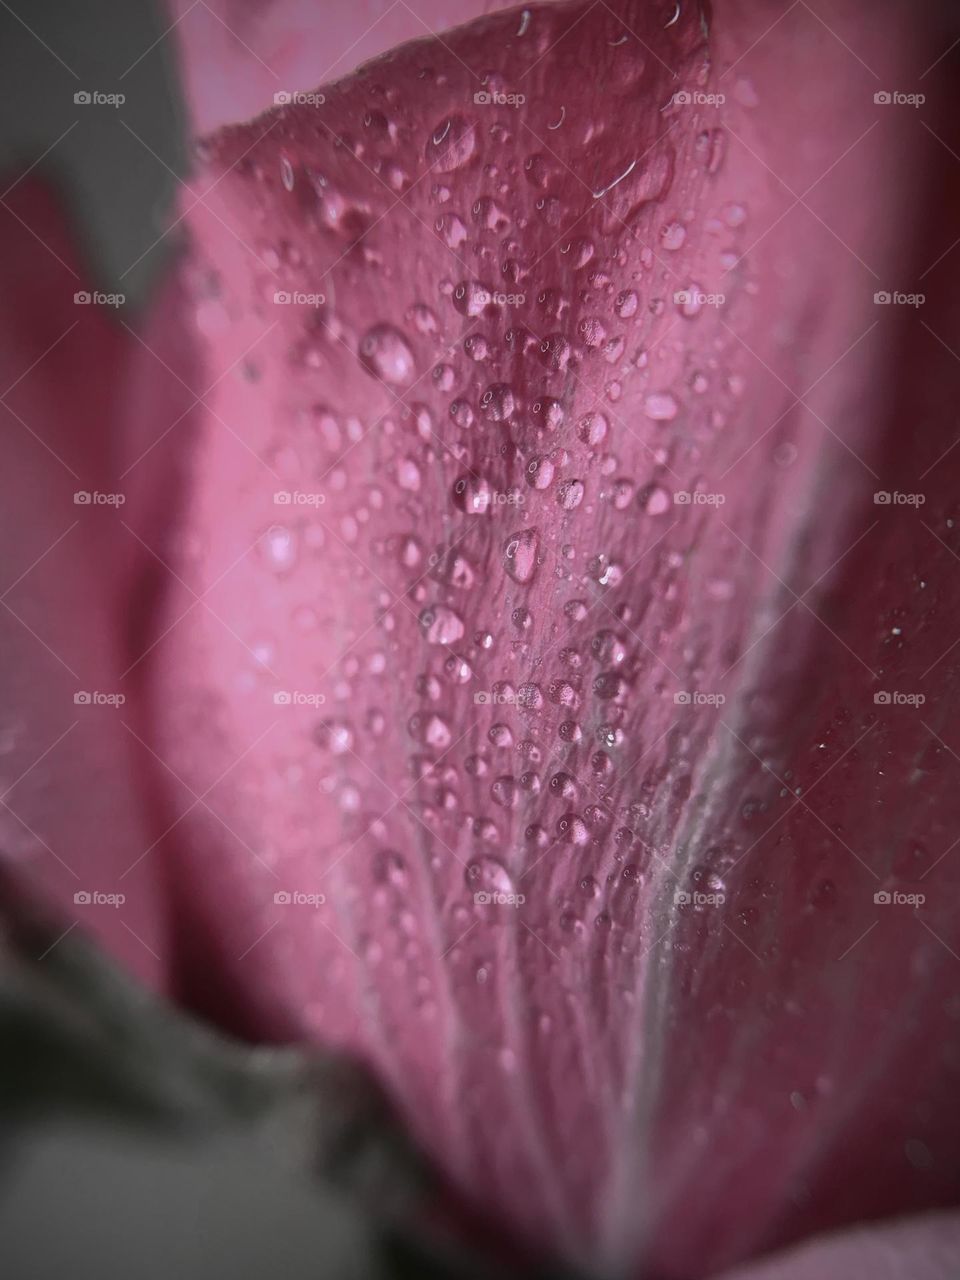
497	402
520	555
592	428
660	406
503	791
451	145
473	495
471	298
673	235
335	736
570	494
490	875
655	500
441	624
690	304
279	548
385	353
408	475
626	304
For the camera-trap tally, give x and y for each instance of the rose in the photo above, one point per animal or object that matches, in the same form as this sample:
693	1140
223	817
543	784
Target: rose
767	510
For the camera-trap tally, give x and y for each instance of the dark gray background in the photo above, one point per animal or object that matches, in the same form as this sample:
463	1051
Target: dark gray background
120	196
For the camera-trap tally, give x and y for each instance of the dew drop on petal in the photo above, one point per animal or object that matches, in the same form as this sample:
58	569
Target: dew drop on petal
520	555
441	624
385	354
660	406
451	144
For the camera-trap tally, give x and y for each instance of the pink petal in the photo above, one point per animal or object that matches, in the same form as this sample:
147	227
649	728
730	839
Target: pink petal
76	811
237	54
924	1248
617	1073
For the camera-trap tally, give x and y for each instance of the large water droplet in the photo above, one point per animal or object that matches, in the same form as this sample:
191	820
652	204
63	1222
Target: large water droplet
490	875
441	624
451	145
520	555
660	406
384	353
279	548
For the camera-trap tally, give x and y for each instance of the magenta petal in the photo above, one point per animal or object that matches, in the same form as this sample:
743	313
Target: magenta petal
534	535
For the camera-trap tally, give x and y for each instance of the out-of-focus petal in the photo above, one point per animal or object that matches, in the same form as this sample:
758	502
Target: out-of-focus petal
924	1248
74	814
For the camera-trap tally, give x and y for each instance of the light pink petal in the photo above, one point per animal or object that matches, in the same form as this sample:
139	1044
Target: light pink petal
923	1248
